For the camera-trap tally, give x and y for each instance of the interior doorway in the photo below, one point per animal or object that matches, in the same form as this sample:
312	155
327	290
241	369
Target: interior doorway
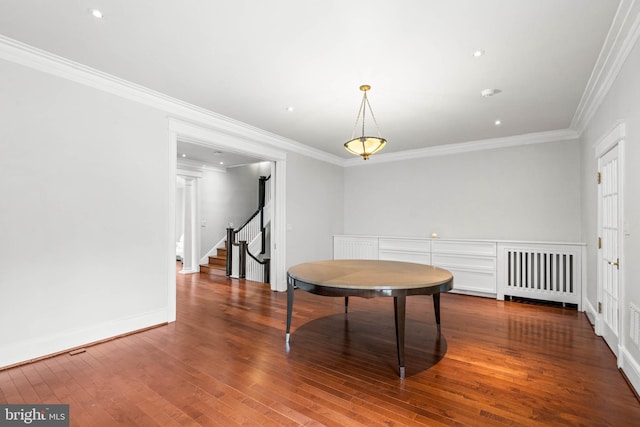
245	142
215	191
610	233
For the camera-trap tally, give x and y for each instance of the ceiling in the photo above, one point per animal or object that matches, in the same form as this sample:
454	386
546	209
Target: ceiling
294	67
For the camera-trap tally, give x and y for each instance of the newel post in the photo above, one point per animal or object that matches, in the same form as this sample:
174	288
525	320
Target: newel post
229	247
266	277
242	252
262	182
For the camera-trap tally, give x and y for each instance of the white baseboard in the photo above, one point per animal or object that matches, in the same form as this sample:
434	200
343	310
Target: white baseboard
627	363
590	311
472	293
631	369
25	351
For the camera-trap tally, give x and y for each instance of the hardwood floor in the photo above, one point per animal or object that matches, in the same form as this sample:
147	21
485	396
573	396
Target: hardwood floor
225	362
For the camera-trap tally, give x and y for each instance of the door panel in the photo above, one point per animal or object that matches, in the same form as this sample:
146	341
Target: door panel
608	259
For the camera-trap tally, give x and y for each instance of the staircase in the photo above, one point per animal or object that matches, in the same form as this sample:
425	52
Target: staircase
217	264
243	255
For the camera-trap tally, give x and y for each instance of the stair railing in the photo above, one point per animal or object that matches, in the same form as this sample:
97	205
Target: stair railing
250	230
266	266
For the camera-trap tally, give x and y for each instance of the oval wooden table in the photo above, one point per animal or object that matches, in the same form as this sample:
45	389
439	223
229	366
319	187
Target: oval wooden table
370	279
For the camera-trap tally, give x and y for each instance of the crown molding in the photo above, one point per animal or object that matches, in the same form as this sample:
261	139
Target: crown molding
38	59
187	173
621	38
467	147
46	62
614	135
198	167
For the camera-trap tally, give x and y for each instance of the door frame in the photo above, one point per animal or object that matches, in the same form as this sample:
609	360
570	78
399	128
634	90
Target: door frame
248	143
615	137
191	231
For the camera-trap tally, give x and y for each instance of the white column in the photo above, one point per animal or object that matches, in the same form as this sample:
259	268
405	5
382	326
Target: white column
190	262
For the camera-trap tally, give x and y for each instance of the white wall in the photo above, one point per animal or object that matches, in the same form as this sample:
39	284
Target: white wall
179	208
529	192
227	197
84	222
314	208
621	103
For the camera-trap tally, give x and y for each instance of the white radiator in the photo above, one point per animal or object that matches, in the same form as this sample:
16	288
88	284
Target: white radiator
355	247
541	271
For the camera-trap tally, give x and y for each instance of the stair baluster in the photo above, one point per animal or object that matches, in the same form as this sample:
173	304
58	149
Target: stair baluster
241	236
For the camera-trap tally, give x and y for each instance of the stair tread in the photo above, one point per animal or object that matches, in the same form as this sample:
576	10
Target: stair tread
218	261
206	267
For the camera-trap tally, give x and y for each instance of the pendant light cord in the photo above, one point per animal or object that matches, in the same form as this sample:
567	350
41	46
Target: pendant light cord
363	111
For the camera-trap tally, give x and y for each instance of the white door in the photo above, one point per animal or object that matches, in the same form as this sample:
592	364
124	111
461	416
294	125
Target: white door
608	255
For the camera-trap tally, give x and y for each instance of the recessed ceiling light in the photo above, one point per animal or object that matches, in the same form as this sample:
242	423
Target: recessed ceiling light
497	122
96	13
222	163
184	155
289	109
478	53
489	92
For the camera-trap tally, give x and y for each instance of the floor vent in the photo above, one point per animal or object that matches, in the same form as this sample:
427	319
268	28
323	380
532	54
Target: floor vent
545	303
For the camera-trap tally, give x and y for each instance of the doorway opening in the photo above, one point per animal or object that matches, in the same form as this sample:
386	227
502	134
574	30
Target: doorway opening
217	192
251	144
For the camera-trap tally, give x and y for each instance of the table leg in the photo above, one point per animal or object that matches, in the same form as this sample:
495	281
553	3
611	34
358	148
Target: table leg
399	307
289	306
436	307
346	304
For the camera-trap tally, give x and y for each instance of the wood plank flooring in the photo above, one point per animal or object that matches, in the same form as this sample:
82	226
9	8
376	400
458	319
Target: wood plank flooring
225	362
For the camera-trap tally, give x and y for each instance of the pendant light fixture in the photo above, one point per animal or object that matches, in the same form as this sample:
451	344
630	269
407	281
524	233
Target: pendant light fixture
365	145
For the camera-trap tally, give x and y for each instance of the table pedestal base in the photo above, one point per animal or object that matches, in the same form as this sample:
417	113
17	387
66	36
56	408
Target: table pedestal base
399	308
345	278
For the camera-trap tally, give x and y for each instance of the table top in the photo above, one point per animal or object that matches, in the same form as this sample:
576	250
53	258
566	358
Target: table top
371	275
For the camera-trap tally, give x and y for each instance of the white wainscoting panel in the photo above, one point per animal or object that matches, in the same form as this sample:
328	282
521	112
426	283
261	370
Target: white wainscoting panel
470	273
355	247
407	250
472	263
404	244
492	268
465	262
469	247
472	281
